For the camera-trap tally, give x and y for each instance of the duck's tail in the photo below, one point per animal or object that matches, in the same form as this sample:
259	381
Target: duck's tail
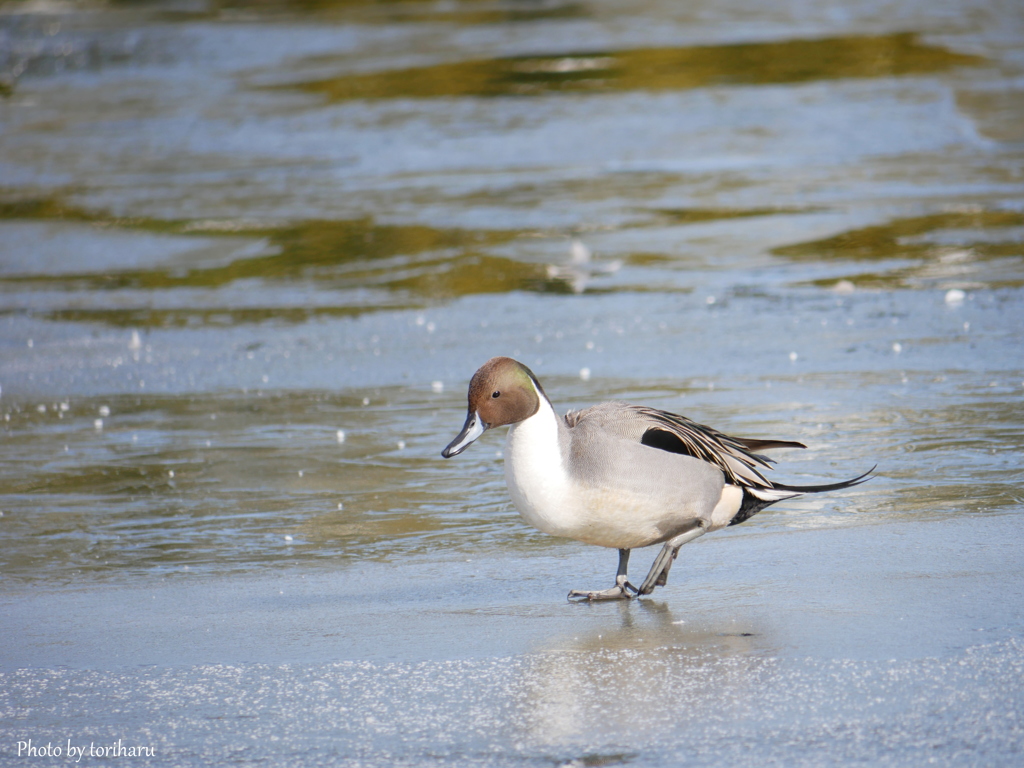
756	499
800	489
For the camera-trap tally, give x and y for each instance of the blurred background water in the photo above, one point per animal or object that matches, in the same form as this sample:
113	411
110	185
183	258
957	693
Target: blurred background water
251	253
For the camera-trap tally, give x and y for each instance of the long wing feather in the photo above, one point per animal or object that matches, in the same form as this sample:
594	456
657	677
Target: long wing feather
734	456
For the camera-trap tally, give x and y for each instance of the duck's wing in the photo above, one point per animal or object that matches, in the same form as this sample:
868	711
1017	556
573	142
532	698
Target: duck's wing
736	457
766	445
678	434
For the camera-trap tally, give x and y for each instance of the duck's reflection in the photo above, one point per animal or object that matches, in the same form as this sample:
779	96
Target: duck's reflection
645	670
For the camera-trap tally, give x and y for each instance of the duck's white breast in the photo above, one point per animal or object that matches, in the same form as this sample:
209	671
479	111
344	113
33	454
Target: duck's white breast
536	473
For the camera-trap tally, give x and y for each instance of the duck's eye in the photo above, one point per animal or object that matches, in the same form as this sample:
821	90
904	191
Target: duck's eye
495	393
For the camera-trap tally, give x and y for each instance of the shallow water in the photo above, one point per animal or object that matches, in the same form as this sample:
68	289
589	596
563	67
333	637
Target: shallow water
250	254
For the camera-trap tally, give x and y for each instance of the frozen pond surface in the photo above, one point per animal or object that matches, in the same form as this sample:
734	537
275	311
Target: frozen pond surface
250	256
883	643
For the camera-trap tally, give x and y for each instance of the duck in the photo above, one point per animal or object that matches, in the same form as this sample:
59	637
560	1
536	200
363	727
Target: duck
618	475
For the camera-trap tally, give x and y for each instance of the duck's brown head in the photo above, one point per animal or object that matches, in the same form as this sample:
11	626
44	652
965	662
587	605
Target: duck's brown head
503	391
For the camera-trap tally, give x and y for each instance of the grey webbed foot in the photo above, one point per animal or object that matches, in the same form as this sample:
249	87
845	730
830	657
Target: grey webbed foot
622	590
658	575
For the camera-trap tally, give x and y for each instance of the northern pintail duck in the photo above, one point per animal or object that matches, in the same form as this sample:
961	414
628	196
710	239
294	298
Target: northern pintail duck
619	475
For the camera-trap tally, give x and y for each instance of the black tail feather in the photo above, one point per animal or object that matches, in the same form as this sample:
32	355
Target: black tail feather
829	487
751	504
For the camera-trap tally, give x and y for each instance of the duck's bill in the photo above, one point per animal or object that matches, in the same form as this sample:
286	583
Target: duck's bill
471	430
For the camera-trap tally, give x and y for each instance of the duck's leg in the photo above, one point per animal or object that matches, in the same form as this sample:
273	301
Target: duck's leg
621	590
658	575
